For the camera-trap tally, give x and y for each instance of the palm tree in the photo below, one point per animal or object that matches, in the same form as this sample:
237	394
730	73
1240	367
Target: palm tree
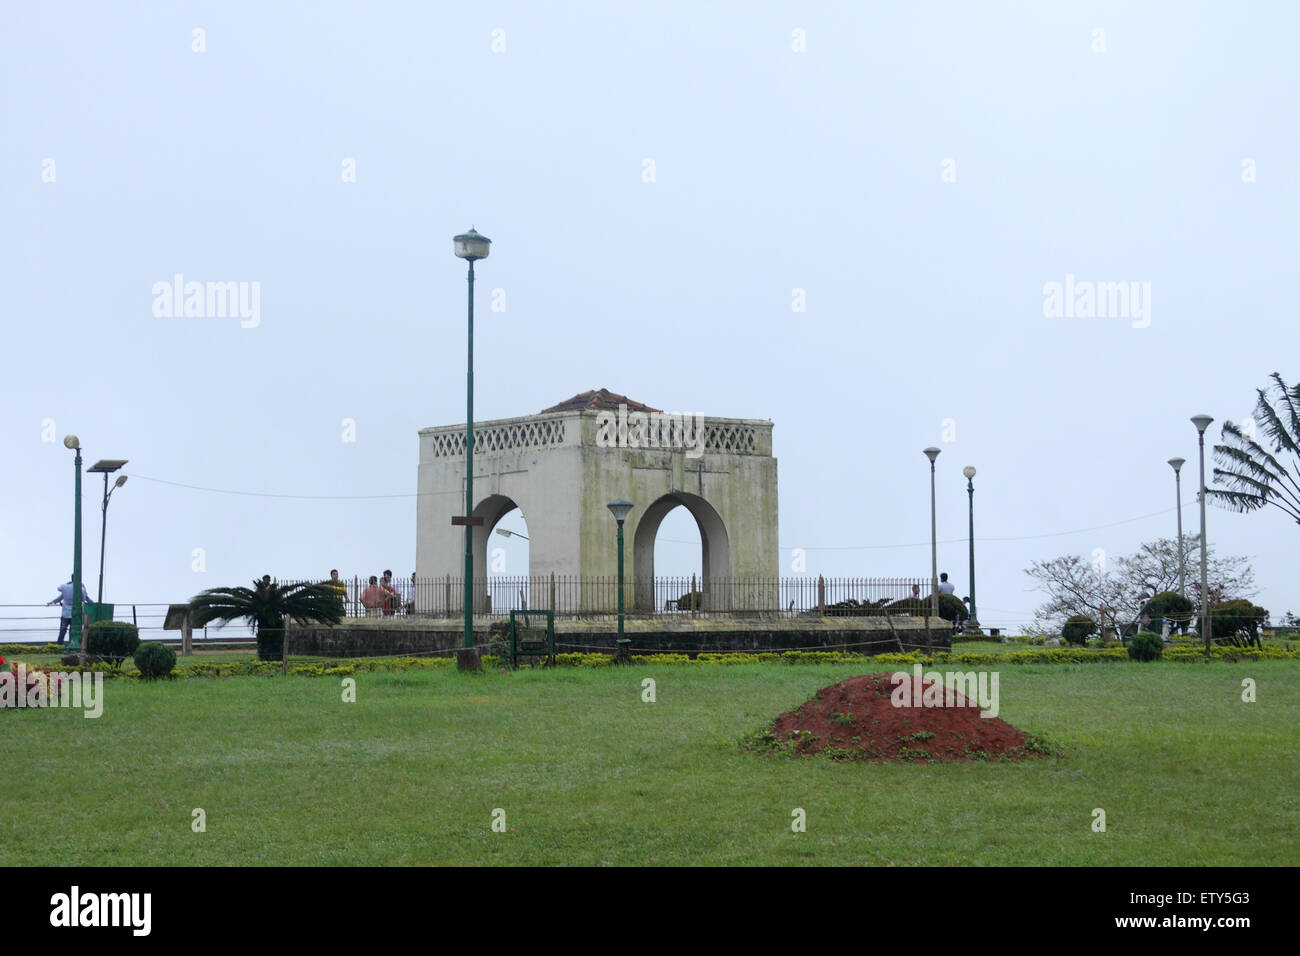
268	605
1254	475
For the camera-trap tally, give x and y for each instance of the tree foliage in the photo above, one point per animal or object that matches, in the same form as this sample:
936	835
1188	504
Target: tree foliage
1237	622
268	606
1171	605
1257	473
1078	628
1076	585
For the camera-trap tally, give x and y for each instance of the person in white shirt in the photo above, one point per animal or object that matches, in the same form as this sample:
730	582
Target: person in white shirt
946	586
66	593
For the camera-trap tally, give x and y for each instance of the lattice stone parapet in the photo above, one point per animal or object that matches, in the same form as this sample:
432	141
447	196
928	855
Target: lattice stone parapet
735	438
498	437
727	436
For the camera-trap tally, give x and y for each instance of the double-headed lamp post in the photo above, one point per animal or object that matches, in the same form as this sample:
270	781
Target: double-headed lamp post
78	606
620	507
1202	422
470	246
973	625
932	453
1177	465
107	466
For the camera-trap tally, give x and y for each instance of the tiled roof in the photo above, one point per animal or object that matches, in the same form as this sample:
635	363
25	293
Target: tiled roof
601	399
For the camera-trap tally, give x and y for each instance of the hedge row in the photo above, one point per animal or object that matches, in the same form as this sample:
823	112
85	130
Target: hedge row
8	650
1049	655
1053	655
342	668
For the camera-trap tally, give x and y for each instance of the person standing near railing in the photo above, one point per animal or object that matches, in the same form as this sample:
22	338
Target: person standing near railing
374	598
394	599
65	597
339	588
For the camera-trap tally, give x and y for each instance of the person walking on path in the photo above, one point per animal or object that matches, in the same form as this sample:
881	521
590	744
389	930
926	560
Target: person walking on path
66	598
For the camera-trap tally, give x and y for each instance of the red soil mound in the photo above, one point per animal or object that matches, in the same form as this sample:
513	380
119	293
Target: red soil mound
856	720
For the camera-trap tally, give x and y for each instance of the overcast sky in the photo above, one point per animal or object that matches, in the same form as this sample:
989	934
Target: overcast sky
666	185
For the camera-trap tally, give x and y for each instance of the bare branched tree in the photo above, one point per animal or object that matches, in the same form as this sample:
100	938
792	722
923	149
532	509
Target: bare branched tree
1075	585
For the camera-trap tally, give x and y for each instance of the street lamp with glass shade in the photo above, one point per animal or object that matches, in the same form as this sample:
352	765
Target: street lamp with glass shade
507	533
972	625
470	246
1177	465
1202	422
932	453
106	466
620	508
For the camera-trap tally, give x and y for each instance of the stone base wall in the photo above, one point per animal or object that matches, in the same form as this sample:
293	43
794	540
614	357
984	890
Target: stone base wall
360	640
689	635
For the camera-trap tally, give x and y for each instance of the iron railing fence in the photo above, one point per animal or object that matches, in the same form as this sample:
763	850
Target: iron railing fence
572	595
498	595
38	623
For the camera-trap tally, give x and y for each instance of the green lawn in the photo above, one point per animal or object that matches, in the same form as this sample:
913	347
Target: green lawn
589	774
989	647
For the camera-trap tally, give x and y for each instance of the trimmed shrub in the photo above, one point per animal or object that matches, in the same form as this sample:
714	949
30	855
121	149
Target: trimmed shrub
1172	605
1235	622
690	601
1078	629
112	641
154	660
499	642
1146	646
917	607
952	608
852	607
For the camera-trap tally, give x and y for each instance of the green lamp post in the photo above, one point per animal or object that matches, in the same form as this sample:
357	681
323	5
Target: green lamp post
78	606
470	246
620	507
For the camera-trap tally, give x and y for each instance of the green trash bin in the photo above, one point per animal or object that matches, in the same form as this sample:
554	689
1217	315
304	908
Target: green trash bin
98	612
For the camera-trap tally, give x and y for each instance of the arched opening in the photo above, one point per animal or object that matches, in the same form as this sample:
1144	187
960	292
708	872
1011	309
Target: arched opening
715	554
679	558
501	561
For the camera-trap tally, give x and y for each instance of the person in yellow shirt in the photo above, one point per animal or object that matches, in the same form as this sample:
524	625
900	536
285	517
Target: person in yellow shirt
340	588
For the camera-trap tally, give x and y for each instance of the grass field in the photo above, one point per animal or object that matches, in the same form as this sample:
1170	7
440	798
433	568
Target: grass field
587	773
